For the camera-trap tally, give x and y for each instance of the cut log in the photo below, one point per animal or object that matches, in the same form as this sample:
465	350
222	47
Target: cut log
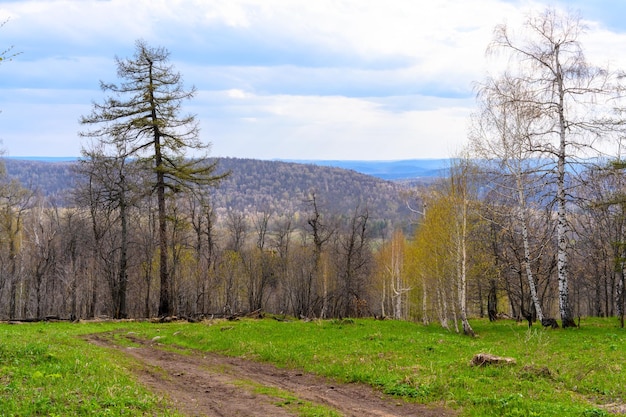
484	359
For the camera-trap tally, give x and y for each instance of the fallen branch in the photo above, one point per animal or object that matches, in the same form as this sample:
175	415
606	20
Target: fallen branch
484	359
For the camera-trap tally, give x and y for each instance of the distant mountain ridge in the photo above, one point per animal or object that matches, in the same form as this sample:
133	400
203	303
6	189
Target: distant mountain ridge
388	170
44	158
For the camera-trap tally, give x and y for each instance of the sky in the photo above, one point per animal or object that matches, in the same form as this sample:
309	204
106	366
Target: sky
275	79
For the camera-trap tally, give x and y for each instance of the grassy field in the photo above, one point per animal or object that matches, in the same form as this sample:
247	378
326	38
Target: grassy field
48	369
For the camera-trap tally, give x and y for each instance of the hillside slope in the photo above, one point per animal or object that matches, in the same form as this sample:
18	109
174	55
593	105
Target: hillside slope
256	185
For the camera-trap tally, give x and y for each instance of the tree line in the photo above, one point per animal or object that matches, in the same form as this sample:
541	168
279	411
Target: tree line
528	223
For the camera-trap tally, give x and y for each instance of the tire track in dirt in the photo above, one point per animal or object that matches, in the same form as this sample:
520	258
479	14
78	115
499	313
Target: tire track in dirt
212	385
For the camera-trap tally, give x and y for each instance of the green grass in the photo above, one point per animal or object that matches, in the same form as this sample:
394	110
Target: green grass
574	372
287	400
47	369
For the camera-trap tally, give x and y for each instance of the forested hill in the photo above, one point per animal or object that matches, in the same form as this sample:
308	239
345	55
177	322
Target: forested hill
51	179
286	186
256	185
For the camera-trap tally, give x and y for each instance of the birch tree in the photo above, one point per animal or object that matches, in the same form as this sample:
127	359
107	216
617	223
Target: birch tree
461	196
547	62
433	260
501	136
440	252
393	282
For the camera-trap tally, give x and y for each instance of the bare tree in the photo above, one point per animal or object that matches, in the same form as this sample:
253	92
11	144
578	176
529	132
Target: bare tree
501	137
106	185
260	263
461	191
548	64
602	227
74	258
40	237
282	245
354	258
321	233
15	200
394	283
148	243
237	228
203	218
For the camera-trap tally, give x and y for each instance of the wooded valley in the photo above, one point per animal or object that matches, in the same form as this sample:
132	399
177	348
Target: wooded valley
528	222
246	227
300	240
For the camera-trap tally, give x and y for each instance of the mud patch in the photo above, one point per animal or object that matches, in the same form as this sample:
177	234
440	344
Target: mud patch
211	385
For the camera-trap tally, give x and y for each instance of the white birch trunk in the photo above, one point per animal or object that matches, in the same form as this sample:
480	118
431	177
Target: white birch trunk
561	201
382	299
523	219
462	270
398	286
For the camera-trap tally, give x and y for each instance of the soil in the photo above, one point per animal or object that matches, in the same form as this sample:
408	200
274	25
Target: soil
212	385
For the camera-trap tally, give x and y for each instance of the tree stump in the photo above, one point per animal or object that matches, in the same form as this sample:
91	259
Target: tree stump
548	322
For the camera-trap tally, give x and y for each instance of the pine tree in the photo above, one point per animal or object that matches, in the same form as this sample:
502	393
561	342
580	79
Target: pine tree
142	116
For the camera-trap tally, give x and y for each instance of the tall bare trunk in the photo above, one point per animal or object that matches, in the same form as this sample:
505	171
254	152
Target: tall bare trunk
462	270
561	201
523	219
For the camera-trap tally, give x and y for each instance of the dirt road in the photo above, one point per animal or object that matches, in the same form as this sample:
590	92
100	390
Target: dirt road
206	384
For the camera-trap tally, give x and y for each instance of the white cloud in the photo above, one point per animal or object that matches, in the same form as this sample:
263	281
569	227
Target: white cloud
331	127
354	79
601	47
